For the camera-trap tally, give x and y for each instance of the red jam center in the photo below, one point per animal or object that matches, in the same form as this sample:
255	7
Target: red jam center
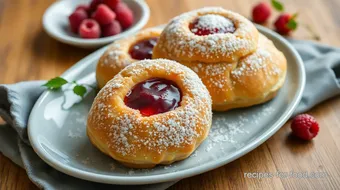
211	24
154	96
143	49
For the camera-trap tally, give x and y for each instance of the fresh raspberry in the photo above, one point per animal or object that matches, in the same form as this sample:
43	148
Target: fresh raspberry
89	28
111	29
111	3
305	126
76	18
104	15
281	24
261	12
124	15
86	8
94	4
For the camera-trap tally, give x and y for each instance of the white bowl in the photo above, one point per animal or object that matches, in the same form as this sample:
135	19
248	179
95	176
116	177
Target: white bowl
55	23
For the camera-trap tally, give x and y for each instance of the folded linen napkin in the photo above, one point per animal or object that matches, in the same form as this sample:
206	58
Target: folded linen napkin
16	101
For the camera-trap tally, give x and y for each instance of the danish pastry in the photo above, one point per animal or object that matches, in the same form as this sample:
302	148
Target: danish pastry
124	52
152	112
239	66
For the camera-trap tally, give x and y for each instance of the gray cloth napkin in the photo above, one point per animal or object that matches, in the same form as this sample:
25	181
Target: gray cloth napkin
16	101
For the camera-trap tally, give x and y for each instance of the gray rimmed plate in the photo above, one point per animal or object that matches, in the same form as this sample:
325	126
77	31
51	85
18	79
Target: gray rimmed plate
57	128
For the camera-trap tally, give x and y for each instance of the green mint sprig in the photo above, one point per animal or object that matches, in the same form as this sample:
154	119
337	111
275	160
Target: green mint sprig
80	90
278	5
292	23
57	82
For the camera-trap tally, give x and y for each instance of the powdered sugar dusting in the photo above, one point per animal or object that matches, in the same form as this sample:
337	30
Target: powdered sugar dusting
253	63
75	133
131	172
116	59
86	161
117	56
263	67
223	130
178	128
261	60
178	42
214	74
213	22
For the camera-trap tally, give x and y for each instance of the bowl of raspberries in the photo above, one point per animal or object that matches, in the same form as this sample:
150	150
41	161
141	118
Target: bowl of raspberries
94	23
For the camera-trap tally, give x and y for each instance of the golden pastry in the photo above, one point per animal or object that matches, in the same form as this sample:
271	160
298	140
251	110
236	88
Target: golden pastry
239	66
124	52
152	112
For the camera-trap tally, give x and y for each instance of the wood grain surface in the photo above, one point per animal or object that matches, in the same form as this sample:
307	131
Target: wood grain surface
28	53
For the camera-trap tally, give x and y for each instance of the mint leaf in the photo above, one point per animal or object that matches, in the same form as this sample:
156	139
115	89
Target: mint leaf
277	5
292	24
55	83
80	90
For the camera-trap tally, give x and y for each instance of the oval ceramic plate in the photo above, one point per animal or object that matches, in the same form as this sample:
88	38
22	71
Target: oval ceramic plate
55	23
57	129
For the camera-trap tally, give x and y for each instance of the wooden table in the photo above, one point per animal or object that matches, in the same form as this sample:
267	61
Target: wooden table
27	53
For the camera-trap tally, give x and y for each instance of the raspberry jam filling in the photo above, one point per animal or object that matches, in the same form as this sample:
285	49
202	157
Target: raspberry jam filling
143	49
154	96
211	24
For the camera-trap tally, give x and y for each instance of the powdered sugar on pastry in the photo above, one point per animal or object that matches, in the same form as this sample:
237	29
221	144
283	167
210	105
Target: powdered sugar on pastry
125	134
117	56
262	60
183	45
253	77
212	21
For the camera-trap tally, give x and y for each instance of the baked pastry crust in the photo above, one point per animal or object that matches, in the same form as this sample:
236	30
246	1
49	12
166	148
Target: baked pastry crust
143	142
117	56
252	80
178	43
244	79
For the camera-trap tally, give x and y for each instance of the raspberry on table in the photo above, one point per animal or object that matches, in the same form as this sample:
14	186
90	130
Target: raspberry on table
111	29
104	15
76	18
281	24
89	28
124	15
261	12
305	126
